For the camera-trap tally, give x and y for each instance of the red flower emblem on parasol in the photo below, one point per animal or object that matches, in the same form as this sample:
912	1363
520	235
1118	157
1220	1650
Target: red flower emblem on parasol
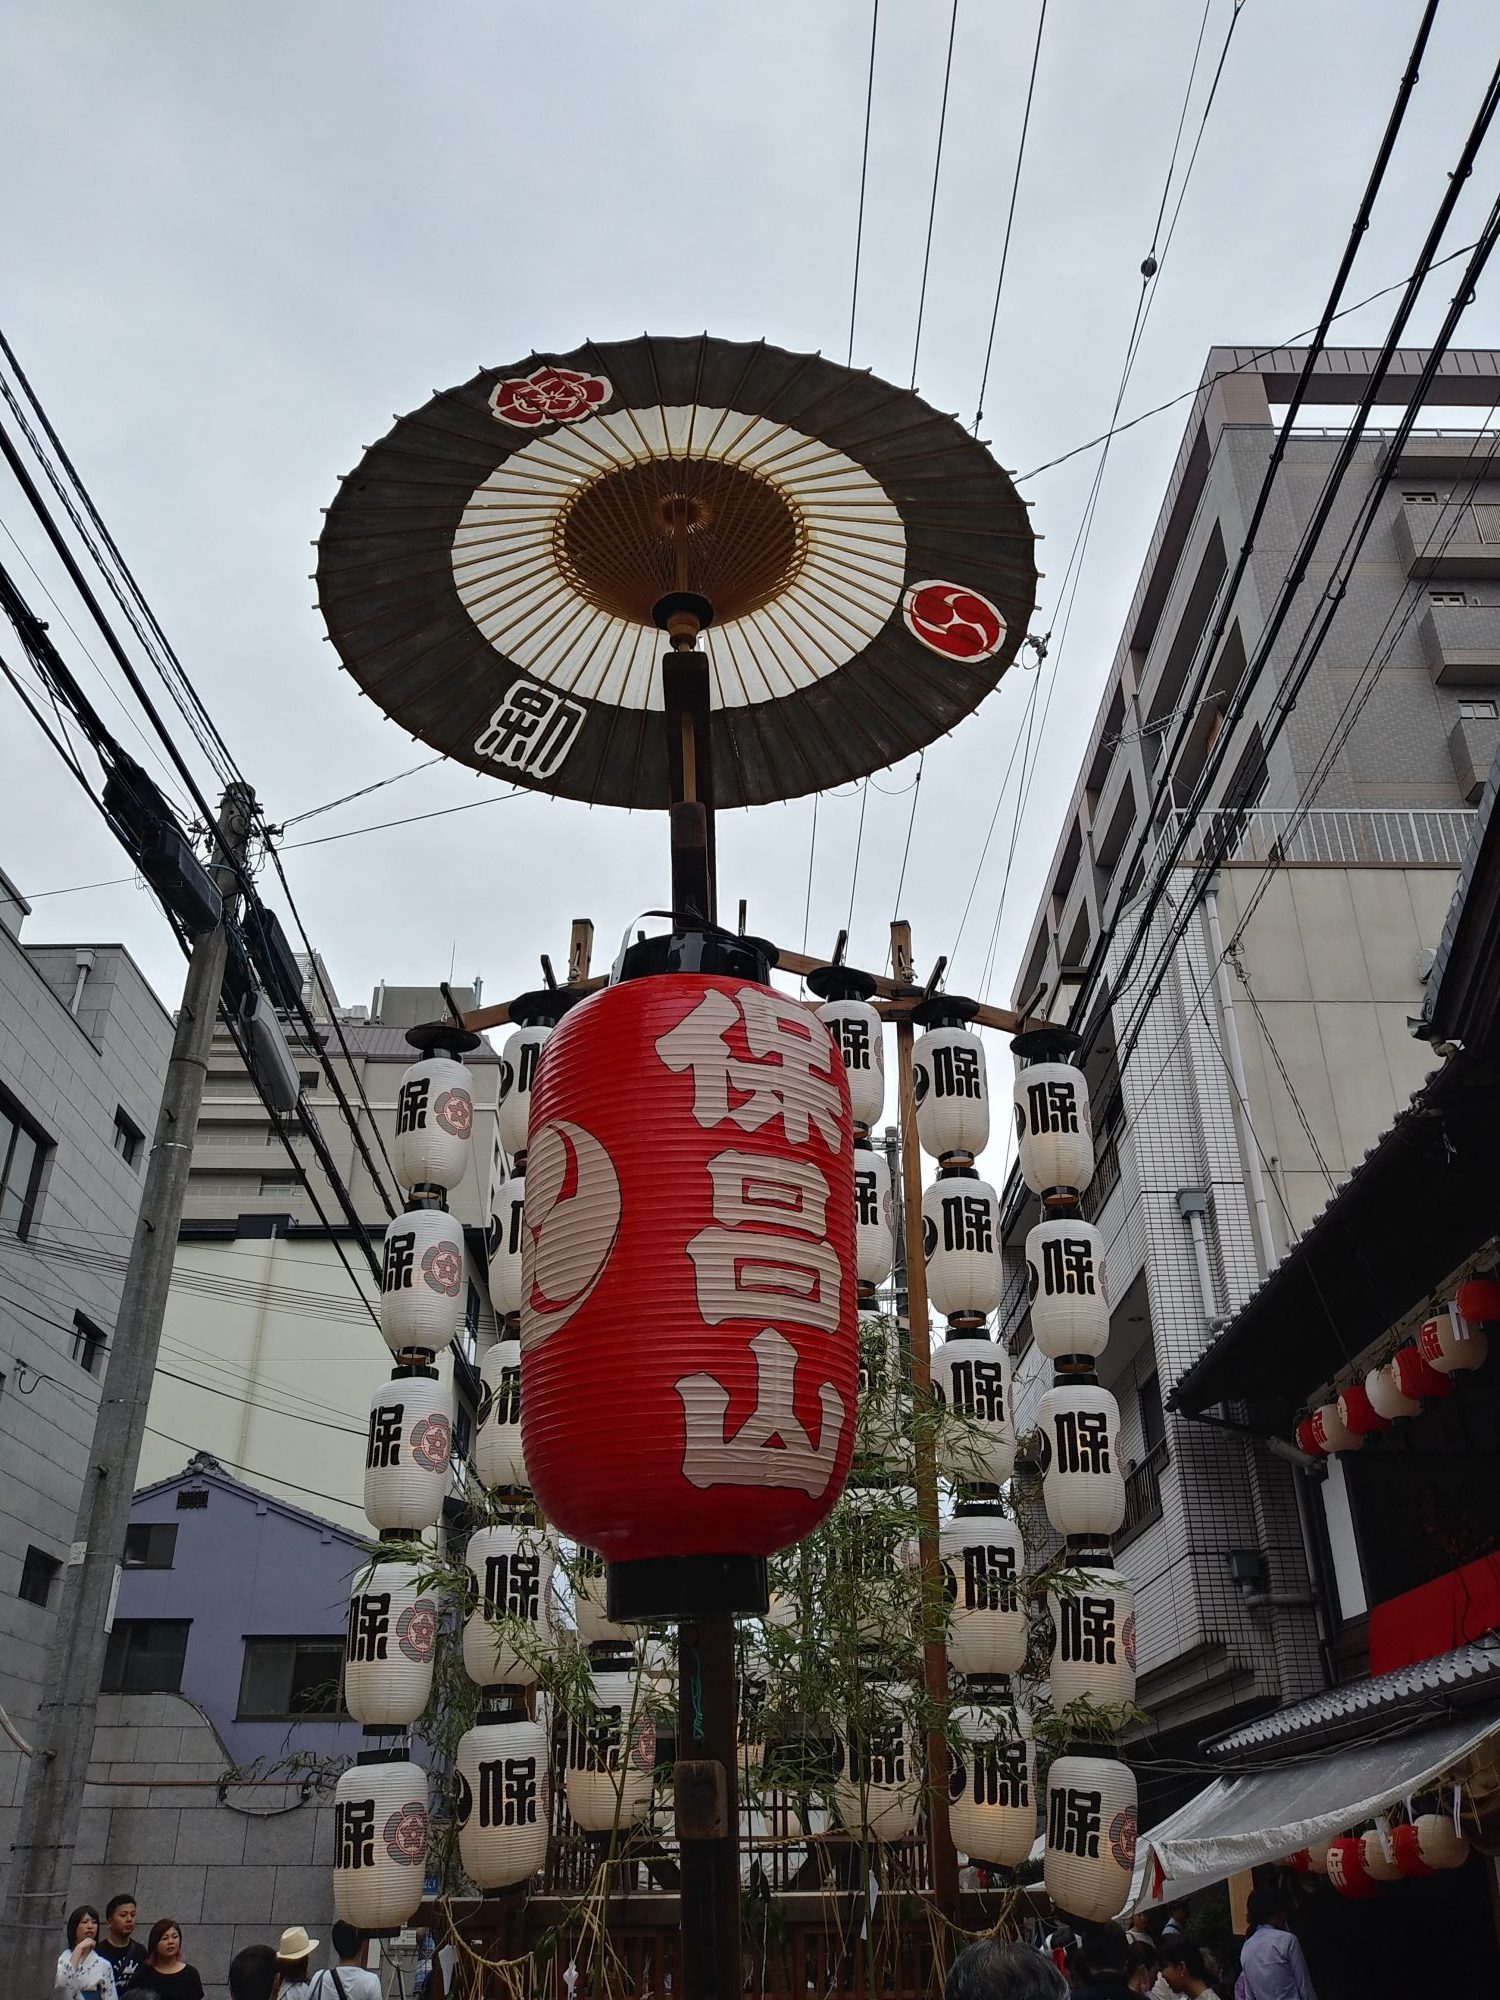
548	396
1122	1837
406	1834
953	621
454	1111
443	1269
431	1442
416	1630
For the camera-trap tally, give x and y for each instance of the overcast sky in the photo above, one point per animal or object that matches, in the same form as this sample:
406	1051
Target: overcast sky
237	241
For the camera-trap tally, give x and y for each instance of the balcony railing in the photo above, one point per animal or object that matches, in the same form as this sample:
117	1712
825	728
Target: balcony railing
1328	836
1142	1495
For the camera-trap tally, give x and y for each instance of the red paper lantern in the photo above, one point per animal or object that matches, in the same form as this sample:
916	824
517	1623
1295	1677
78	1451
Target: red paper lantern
1347	1871
1358	1412
1478	1299
689	1328
1310	1438
1406	1850
1415	1377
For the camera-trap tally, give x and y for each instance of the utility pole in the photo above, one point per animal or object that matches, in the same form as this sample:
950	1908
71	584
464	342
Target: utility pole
42	1855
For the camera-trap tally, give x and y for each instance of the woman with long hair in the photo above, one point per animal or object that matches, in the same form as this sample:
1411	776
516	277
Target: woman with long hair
166	1971
81	1973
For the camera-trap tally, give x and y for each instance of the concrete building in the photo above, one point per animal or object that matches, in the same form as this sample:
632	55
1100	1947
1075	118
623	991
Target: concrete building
266	1328
84	1044
1277	1048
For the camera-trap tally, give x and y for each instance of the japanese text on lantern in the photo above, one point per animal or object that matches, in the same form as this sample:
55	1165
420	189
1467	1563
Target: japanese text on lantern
767	1255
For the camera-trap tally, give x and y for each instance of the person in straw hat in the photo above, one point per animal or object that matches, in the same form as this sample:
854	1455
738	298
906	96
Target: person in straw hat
294	1963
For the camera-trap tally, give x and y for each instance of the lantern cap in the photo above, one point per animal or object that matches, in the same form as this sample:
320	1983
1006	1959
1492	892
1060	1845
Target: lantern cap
450	1038
841	982
980	1685
703	948
1051	1044
405	1370
944	1010
686	1587
544	1007
397	1756
500	1699
975	1499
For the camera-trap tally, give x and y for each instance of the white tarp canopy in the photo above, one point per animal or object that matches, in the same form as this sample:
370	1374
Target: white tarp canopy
1260	1816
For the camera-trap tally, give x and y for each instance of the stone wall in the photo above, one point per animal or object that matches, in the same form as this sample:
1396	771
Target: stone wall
234	1870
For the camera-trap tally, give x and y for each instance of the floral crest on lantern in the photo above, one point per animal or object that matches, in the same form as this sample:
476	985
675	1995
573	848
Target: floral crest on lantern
432	1442
416	1630
454	1111
1122	1836
443	1269
405	1834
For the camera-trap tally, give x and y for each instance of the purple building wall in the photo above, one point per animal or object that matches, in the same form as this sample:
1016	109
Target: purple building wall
244	1565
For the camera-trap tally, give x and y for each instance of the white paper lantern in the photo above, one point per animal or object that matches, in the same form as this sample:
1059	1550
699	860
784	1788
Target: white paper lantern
1380	1864
1450	1344
961	1245
877	1787
1439	1845
873	1556
1090	1837
390	1642
982	1558
518	1061
501	1768
874	1216
1083	1479
505	1244
857	1035
379	1842
408	1450
422	1281
1093	1652
1069	1286
434	1124
1385	1395
1331	1432
971	1378
1053	1128
498	1457
992	1806
595	1628
611	1752
511	1621
952	1092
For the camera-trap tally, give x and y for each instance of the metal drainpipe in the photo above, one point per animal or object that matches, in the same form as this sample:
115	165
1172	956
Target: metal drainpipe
1192	1205
83	958
1235	1058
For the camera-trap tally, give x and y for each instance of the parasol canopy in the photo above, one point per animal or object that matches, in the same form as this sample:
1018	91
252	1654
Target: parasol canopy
493	570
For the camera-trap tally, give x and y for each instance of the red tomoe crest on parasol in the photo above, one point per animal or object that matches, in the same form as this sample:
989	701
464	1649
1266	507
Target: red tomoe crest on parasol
689	1317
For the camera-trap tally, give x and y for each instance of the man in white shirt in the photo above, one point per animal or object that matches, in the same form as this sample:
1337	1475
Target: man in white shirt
348	1980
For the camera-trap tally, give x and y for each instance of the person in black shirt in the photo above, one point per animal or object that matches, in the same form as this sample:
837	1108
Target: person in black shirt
166	1973
119	1947
1105	1952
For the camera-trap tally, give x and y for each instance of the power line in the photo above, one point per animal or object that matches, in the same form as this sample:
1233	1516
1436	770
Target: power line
864	169
937	168
382	826
316	812
1010	218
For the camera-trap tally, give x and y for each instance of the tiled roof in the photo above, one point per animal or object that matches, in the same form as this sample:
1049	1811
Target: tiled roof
1428	1687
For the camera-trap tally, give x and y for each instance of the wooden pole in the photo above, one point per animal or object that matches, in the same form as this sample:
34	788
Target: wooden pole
934	1652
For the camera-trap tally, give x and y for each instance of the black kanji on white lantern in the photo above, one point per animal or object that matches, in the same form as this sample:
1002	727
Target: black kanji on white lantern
1093	1652
422	1281
611	1754
1054	1131
498	1457
379	1841
1083	1479
874	1217
390	1644
507	1207
434	1133
1089	1857
409	1450
501	1786
504	1634
971	1378
1068	1283
533	1017
961	1244
950	1082
982	1557
857	1032
992	1802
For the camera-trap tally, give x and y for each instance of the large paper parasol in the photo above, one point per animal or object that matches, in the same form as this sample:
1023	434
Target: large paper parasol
492	571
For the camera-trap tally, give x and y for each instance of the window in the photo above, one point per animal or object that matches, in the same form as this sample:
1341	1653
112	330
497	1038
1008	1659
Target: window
1424	499
279	1184
1477	711
1447	597
463	1432
88	1344
21	1153
38	1572
1153	1421
145	1656
284	1679
191	1496
150	1544
128	1137
307	1079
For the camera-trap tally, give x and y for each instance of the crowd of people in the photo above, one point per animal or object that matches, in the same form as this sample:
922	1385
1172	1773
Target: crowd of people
1109	1962
107	1961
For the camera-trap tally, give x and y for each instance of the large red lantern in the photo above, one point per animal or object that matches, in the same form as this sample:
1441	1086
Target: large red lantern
689	1343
